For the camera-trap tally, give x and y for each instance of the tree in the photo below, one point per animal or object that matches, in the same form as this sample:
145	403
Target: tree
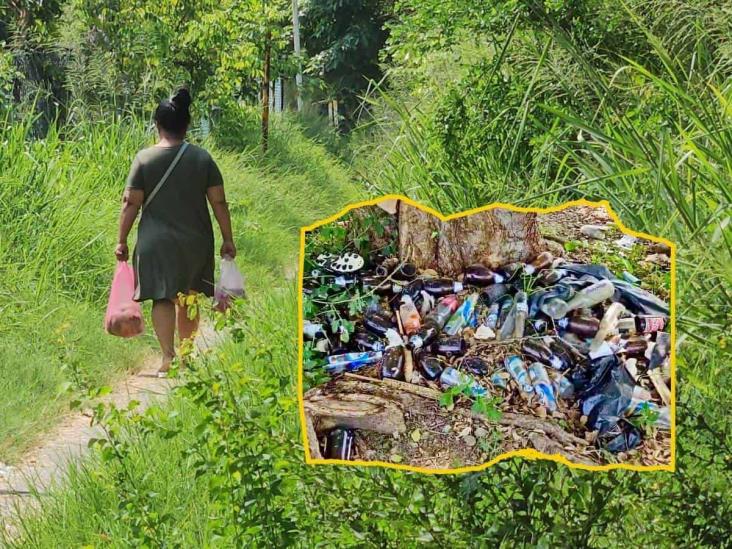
344	40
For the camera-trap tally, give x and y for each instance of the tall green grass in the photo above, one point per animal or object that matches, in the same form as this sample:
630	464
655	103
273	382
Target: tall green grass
653	136
59	202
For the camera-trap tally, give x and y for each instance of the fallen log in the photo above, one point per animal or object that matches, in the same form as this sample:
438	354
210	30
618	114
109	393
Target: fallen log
380	405
312	439
356	411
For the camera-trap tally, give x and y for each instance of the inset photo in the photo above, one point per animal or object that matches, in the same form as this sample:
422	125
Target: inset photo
444	344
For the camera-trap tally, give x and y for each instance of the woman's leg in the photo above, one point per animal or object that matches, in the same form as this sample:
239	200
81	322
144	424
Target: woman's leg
187	327
163	317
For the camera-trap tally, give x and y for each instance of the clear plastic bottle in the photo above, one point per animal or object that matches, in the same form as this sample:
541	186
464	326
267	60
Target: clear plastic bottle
607	325
591	295
452	378
409	316
515	366
351	361
543	386
462	316
521	304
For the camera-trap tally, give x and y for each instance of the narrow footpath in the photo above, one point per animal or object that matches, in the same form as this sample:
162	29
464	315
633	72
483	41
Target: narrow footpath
45	464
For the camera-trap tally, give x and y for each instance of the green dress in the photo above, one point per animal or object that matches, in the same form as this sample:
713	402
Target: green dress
175	241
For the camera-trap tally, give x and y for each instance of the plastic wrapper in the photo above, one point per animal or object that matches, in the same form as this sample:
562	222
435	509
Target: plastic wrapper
124	315
230	285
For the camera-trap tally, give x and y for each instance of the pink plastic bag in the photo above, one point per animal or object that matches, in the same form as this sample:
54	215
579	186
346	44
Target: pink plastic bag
124	316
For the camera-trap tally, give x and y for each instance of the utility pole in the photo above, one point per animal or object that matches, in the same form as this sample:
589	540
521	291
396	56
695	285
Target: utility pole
296	40
265	89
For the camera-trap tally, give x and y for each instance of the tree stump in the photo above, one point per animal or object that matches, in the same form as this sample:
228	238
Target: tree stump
491	238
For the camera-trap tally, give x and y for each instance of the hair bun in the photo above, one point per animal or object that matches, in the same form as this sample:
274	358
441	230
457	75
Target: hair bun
182	98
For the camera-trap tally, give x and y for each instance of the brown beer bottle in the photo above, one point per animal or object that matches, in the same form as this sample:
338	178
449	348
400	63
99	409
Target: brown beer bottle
642	324
442	286
377	323
583	326
430	366
450	346
392	365
635	347
339	444
478	275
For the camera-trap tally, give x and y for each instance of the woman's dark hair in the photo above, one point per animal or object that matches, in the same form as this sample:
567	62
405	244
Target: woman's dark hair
173	115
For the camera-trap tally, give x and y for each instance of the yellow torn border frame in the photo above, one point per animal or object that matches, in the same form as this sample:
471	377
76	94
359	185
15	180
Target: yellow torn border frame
528	453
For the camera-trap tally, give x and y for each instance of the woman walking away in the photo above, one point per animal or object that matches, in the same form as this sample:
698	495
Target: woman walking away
170	182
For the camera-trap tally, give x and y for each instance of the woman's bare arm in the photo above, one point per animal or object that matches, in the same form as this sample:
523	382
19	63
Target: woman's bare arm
132	200
217	199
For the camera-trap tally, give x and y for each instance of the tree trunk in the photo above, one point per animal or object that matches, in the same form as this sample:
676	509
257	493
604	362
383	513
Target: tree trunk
491	238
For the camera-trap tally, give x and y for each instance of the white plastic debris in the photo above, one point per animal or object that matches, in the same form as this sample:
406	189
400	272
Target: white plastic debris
484	332
393	338
594	231
626	242
603	350
428	302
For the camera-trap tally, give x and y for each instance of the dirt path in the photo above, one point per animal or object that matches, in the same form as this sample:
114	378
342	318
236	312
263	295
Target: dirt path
45	464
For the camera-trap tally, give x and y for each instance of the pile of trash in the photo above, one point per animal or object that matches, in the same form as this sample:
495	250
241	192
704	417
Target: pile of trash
578	333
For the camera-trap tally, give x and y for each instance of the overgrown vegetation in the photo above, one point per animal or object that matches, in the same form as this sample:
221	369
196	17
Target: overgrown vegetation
520	100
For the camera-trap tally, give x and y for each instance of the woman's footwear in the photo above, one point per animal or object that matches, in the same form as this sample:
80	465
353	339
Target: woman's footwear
165	368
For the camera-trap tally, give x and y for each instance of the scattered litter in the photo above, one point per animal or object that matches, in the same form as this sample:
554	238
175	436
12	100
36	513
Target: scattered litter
555	339
594	231
626	242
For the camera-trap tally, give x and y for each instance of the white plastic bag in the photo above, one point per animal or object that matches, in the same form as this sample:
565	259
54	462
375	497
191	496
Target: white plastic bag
230	285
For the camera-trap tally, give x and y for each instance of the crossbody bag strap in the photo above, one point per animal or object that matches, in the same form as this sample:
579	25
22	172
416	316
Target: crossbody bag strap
165	176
